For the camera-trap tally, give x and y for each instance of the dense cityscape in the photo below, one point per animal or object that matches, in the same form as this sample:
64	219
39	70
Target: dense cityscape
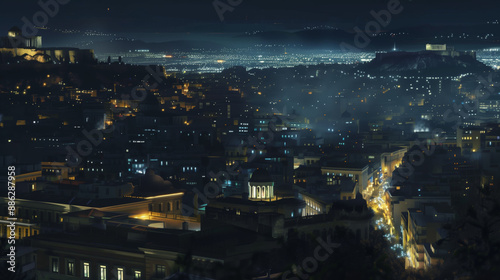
268	153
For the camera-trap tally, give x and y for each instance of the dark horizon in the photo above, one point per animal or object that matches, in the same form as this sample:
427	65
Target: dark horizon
239	139
200	16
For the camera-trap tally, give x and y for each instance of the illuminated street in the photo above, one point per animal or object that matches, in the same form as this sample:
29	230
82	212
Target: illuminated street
238	139
378	202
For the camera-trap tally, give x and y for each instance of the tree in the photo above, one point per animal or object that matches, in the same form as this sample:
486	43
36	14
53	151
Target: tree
475	240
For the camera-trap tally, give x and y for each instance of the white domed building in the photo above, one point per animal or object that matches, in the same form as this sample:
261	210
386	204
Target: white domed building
261	186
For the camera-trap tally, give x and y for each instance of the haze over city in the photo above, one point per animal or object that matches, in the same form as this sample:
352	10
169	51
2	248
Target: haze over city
236	139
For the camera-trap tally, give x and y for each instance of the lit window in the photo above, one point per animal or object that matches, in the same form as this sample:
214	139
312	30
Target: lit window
120	273
102	272
137	275
70	267
55	265
160	271
86	270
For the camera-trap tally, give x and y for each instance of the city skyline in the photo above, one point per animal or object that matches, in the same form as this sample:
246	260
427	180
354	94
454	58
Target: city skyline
235	139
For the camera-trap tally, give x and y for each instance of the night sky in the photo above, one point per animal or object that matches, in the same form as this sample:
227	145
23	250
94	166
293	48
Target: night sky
200	15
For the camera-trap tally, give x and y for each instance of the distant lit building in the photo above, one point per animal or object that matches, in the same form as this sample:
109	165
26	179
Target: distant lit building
15	46
469	139
356	172
15	39
261	185
490	105
445	50
320	198
421	228
391	159
439	49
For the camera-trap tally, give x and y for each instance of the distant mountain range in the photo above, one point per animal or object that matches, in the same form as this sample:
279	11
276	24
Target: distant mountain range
462	37
429	63
414	38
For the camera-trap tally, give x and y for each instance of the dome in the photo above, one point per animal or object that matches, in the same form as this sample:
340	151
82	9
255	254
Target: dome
261	185
261	175
16	30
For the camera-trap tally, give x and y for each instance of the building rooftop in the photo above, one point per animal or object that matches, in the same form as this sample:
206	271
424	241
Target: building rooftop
95	213
15	29
42	196
342	164
260	176
238	200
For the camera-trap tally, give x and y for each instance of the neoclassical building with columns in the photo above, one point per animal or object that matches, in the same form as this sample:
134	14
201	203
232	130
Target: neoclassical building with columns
261	186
